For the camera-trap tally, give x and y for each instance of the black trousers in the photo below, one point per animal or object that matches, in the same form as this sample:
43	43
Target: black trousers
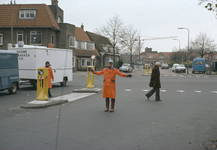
49	94
107	99
150	93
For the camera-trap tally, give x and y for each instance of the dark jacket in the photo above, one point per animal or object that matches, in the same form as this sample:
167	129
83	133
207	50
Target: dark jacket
155	78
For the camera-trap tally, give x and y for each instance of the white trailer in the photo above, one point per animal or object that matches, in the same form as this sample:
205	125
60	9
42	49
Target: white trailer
32	57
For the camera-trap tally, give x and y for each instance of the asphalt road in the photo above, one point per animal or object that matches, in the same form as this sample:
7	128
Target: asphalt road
184	119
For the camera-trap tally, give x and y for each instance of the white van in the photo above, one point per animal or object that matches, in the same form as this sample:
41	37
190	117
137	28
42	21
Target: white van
32	57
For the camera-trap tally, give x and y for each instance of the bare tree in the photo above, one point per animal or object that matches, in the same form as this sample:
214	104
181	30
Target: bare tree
129	38
203	44
211	6
179	55
113	31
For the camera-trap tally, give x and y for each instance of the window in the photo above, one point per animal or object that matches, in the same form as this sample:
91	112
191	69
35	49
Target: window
78	45
71	41
35	38
73	61
1	39
27	14
85	62
82	45
199	63
19	36
150	57
59	20
52	38
90	46
214	57
161	57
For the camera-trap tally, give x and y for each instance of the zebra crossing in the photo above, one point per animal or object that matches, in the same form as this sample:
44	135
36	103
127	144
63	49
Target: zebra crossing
178	91
180	75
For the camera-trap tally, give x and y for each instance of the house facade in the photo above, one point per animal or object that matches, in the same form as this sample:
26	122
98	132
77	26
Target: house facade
103	45
84	49
36	24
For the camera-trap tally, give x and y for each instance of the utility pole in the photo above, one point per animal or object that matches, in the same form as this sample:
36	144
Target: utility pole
11	23
139	48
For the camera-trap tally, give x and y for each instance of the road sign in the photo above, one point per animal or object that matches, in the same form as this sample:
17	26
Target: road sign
40	72
93	57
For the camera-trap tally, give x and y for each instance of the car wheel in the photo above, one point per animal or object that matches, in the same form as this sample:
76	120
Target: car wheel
13	88
193	72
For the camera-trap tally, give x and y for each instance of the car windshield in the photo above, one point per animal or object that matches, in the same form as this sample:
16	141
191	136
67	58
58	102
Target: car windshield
199	63
164	65
181	65
125	65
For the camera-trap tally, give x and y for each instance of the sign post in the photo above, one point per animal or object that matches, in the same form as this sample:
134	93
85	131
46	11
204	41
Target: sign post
92	58
102	53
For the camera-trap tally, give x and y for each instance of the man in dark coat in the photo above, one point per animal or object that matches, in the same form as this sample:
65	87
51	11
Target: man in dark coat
155	82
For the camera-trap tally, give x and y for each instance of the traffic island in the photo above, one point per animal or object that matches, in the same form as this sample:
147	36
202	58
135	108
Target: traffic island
42	104
87	90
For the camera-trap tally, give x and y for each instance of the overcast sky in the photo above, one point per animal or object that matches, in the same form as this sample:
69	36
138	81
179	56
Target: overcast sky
154	18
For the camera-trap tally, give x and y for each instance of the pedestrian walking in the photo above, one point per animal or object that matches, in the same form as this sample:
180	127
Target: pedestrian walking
155	82
109	87
50	76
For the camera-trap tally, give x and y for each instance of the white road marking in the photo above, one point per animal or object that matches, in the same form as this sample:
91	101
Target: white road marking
145	90
174	75
166	75
197	91
214	92
197	76
70	97
163	90
181	76
180	91
206	77
189	76
128	90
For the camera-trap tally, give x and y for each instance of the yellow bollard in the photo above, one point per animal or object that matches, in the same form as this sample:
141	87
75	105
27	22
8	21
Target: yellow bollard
90	82
150	70
42	84
146	69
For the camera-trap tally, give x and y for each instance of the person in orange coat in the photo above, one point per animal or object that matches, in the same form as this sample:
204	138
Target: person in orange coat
50	76
109	87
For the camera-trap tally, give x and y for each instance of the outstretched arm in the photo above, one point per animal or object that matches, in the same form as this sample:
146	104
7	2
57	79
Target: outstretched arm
98	73
122	74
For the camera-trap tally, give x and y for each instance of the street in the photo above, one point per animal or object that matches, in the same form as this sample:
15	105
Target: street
184	119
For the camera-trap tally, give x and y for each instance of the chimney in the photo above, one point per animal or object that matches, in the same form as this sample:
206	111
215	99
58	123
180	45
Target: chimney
54	2
82	26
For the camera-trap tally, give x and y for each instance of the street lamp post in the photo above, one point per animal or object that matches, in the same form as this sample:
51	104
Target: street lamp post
188	48
179	48
179	43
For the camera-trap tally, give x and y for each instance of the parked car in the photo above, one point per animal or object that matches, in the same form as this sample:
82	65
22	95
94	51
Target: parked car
125	68
173	68
180	68
165	66
9	72
199	65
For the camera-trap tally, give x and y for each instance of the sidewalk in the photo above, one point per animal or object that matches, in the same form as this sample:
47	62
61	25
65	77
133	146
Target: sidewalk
55	101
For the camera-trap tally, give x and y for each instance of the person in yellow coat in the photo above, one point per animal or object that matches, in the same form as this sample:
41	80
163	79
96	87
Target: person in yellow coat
50	76
109	87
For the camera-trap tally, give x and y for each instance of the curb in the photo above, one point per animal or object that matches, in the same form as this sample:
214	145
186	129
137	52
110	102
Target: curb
38	106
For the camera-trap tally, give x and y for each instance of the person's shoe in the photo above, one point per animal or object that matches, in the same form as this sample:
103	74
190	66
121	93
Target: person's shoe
112	105
147	97
107	105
